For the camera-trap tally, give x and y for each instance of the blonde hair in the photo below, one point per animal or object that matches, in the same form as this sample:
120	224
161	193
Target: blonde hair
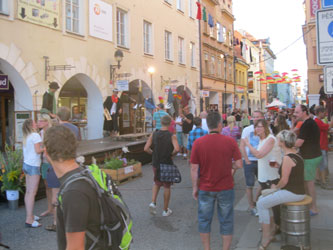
47	118
27	129
231	122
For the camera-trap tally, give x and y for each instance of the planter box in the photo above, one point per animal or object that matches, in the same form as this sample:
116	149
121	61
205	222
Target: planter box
123	174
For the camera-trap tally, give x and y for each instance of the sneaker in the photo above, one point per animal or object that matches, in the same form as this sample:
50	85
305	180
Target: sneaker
167	213
179	154
326	186
152	208
253	211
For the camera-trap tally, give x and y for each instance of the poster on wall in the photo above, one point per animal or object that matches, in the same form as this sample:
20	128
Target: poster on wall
122	85
42	12
20	117
100	19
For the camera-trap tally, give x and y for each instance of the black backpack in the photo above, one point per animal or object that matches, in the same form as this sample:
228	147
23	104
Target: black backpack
116	221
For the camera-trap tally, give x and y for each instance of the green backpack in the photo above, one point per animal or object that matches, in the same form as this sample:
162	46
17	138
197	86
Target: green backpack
116	221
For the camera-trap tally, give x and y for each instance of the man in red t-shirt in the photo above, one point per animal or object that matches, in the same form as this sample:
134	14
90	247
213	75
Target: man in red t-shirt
214	159
323	127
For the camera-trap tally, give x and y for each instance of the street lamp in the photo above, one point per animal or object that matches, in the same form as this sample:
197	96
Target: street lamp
224	108
151	71
118	55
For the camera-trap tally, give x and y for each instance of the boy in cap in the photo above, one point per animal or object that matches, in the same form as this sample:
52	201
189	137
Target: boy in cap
49	105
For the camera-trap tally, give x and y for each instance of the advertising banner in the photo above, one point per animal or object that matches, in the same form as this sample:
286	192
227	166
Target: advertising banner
100	19
4	83
42	12
314	6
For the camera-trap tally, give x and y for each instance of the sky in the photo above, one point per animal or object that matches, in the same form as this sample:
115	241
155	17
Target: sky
281	21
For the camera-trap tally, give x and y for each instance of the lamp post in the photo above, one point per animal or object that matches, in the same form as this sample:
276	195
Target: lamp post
151	71
118	55
224	108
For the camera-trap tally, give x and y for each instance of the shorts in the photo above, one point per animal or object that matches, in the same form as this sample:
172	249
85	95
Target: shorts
310	166
251	173
185	140
225	210
45	166
52	179
180	138
159	183
324	162
31	170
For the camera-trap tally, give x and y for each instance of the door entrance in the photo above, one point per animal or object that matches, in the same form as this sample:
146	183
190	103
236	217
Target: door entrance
6	117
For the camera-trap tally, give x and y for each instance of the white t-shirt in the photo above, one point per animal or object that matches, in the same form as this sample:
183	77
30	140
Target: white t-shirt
29	154
179	128
266	172
248	132
113	108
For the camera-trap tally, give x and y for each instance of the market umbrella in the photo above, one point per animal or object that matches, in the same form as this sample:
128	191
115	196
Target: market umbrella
276	103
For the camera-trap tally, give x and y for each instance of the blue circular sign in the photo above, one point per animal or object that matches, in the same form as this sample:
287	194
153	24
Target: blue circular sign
330	29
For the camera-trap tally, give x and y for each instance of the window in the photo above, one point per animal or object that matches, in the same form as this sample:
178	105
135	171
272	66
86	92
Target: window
212	66
122	28
230	38
73	10
230	72
4	9
219	68
180	5
192	49
147	38
191	8
181	50
206	63
224	34
219	32
168	45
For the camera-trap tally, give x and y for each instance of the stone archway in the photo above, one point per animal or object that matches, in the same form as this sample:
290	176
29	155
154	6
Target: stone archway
17	99
94	104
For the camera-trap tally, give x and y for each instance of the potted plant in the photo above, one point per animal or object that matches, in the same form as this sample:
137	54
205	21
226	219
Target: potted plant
11	175
121	169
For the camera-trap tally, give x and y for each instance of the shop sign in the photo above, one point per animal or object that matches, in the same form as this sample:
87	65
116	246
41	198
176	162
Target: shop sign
324	36
173	89
204	93
42	12
4	83
100	18
122	85
239	89
314	6
123	75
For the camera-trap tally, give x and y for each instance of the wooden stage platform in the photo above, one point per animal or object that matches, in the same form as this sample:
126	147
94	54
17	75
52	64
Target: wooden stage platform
100	148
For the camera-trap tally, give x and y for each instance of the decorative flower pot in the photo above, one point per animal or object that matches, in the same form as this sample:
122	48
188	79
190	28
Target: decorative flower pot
12	197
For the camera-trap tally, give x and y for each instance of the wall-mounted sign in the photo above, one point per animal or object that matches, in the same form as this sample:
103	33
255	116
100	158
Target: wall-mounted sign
250	81
204	93
122	85
4	83
328	79
42	12
240	89
324	36
314	6
100	19
327	4
173	89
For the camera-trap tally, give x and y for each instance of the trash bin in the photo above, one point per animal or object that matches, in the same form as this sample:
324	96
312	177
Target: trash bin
13	198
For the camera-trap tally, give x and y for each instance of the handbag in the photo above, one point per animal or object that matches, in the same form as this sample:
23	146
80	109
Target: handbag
168	173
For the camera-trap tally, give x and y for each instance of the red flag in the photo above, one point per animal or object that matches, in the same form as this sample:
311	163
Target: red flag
199	11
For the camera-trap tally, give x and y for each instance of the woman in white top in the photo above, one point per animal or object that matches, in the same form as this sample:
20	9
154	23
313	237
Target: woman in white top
31	167
268	154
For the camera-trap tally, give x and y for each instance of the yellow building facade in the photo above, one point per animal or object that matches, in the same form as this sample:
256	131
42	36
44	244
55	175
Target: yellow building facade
74	42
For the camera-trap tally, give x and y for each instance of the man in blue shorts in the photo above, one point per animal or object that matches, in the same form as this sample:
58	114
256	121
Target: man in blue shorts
250	162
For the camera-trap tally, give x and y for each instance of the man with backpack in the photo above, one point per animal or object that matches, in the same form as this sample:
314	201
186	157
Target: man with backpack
89	204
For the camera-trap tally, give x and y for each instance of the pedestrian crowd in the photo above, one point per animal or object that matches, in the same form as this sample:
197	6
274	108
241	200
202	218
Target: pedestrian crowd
285	152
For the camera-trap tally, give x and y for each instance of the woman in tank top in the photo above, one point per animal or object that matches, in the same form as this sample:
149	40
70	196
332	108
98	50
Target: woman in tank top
290	188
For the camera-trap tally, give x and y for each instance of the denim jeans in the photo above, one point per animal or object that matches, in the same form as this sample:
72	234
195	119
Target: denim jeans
225	210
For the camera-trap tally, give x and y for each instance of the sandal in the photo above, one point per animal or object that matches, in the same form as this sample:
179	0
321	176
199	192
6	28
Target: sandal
34	224
52	228
36	218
